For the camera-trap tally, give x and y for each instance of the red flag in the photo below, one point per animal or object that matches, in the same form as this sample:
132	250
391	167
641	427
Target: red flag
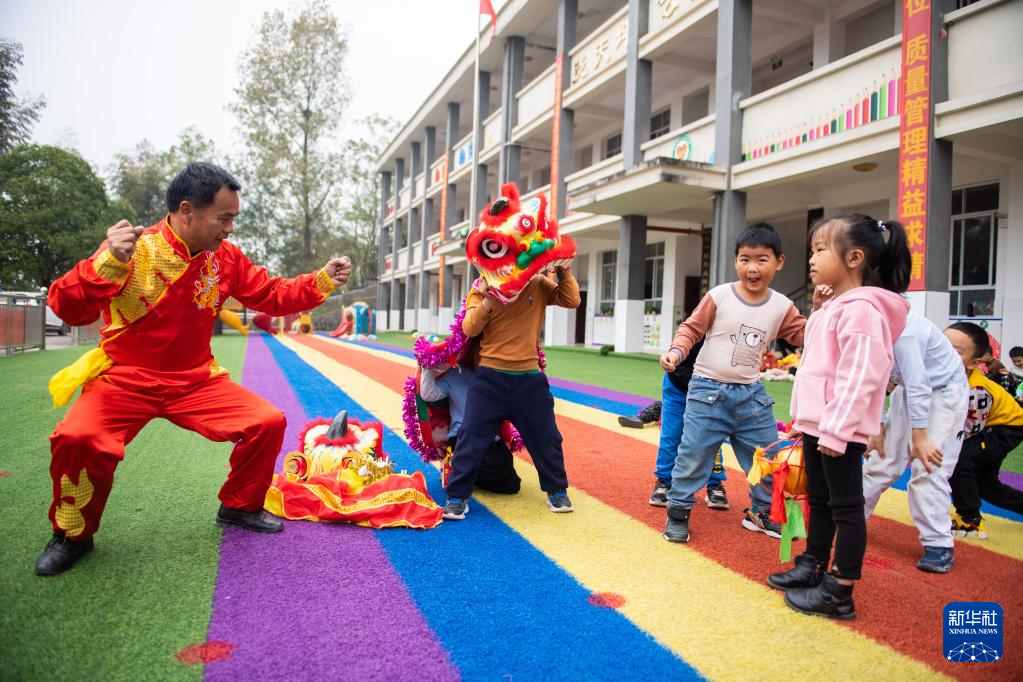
487	8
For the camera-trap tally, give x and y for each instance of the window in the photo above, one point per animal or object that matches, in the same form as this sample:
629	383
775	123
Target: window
545	176
972	271
653	283
608	268
613	145
695	106
660	123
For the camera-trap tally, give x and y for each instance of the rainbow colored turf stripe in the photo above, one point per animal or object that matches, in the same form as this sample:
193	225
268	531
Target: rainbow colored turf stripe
878	102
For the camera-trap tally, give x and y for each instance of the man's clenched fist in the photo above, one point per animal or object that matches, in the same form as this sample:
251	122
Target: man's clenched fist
339	270
121	240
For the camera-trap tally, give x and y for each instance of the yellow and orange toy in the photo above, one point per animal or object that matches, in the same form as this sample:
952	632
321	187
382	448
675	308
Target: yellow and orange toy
341	474
783	462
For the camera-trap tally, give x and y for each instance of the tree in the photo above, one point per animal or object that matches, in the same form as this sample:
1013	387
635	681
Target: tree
291	96
141	176
53	212
17	115
361	196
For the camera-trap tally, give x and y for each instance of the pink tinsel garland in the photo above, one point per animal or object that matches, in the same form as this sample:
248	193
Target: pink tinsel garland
413	433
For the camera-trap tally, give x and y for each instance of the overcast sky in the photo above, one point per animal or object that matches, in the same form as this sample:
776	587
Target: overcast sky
116	71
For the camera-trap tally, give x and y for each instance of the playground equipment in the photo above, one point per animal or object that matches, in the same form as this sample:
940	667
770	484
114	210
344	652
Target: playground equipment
357	322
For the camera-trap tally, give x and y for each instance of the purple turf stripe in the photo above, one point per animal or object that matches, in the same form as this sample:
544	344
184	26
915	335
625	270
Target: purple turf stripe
1011	478
318	601
596	391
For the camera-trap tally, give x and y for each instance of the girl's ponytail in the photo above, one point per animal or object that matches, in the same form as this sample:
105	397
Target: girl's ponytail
896	260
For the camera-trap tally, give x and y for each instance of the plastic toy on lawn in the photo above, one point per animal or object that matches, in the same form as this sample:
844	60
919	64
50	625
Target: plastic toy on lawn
264	322
303	324
514	242
427	424
357	322
341	474
783	462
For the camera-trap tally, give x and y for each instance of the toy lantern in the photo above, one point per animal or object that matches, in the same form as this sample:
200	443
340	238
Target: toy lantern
783	462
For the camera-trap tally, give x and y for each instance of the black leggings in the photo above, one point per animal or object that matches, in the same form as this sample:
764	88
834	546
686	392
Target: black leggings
834	486
976	473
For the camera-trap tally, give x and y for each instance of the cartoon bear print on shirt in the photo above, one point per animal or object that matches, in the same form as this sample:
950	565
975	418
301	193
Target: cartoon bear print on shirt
749	346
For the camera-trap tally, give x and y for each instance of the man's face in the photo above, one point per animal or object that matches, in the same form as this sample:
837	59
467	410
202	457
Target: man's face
204	229
756	266
1018	361
964	347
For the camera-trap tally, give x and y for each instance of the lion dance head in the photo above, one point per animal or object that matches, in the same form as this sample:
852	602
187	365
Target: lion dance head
514	242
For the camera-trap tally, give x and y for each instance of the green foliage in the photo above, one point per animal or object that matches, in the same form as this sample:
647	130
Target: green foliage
17	115
607	349
141	176
53	212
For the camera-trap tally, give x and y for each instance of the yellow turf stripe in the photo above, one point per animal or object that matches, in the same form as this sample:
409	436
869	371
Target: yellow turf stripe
669	590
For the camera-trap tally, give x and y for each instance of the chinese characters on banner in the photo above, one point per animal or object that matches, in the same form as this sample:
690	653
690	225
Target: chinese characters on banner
914	132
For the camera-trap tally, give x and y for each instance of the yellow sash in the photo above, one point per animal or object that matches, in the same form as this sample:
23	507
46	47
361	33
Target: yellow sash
64	383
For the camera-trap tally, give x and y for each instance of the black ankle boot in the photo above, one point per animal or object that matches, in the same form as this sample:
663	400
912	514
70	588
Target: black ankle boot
258	521
806	573
829	599
61	554
676	528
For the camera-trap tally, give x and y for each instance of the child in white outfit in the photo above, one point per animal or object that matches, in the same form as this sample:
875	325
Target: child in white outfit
924	425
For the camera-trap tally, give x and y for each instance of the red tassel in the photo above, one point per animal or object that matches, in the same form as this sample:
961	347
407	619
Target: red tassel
778	479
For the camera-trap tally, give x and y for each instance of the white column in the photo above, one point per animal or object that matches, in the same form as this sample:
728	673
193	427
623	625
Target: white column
593	293
672	272
1011	277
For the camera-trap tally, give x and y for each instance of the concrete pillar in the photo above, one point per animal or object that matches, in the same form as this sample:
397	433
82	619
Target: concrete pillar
399	174
933	302
629	284
382	244
423	313
446	312
733	84
672	273
511	82
829	39
568	11
1012	277
452	137
638	82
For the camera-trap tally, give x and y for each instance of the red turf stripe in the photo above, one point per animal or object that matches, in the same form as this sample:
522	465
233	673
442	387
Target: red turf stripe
898	605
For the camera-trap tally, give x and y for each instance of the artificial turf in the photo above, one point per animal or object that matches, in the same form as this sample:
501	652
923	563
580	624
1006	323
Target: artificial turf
145	592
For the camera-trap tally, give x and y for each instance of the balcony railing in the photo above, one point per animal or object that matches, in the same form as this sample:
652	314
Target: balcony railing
437	170
597	171
461	155
600	55
666	19
693	142
402	259
420	184
973	32
535	101
404	196
853	92
491	132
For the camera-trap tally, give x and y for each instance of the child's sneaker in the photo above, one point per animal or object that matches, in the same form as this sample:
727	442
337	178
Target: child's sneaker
456	508
558	502
758	522
659	497
716	497
676	529
937	560
965	529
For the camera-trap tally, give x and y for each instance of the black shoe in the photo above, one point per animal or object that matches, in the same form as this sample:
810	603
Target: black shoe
633	422
651	413
659	497
259	521
456	509
806	573
676	529
829	599
937	560
716	497
558	502
61	554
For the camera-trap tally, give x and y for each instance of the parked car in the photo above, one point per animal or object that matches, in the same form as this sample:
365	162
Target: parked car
53	323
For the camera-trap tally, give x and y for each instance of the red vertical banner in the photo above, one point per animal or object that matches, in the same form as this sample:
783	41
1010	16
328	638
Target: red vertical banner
914	132
556	138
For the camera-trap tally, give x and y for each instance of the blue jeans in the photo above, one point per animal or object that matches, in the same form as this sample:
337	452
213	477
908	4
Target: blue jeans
716	411
673	412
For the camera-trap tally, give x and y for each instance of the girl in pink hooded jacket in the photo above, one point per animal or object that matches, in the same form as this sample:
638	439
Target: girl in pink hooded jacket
838	397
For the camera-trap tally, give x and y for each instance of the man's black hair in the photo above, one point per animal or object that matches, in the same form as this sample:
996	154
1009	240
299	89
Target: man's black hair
977	335
1016	351
197	184
759	234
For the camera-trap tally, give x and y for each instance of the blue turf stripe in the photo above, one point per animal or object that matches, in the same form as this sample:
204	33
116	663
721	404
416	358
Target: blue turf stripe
501	607
619	408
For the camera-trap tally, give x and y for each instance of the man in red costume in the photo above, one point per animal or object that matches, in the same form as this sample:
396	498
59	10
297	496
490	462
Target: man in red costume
159	290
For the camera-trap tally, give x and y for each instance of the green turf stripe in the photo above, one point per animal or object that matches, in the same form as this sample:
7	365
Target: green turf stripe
145	593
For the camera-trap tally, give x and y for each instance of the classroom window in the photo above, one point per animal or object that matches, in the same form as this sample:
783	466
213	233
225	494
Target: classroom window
660	123
972	274
653	283
608	271
613	145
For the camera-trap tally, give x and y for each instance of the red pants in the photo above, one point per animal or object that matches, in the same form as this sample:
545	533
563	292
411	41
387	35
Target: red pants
89	443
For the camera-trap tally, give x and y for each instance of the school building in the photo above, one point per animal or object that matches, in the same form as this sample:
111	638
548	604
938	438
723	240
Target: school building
660	128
